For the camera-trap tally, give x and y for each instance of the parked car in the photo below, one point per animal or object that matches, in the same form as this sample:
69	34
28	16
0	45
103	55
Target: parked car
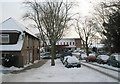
71	61
76	52
46	55
83	56
102	59
102	53
91	58
58	55
65	54
65	58
114	60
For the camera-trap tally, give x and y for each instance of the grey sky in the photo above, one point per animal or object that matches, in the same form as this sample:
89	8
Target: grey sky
12	9
15	9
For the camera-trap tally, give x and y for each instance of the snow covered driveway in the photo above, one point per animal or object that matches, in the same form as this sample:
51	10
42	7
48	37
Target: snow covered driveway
58	73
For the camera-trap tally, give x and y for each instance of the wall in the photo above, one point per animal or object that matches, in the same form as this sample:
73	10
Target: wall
78	43
69	42
30	49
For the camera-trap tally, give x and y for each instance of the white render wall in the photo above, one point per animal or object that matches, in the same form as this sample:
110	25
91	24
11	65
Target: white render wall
65	41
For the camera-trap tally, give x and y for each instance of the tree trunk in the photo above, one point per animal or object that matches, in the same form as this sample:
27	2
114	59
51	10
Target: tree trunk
53	54
38	51
87	50
86	43
83	44
109	46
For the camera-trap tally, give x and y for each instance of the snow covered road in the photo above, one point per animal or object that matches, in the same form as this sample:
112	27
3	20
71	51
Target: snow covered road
106	71
58	73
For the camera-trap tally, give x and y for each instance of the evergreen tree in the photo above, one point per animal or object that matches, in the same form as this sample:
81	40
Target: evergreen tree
112	31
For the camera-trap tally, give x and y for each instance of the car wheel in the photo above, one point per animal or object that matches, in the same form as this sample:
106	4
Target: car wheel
87	60
118	66
79	65
68	66
108	63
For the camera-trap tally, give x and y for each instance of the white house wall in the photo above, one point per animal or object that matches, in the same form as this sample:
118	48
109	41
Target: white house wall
70	42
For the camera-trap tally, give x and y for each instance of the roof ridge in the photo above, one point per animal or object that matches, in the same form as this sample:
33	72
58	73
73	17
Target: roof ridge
7	20
19	25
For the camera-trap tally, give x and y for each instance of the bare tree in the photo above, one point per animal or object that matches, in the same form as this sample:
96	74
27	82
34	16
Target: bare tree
86	29
51	18
33	14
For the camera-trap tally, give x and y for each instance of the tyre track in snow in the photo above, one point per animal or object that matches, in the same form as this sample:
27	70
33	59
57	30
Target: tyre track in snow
106	67
111	73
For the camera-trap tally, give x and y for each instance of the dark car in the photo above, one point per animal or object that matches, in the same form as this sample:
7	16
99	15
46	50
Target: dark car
102	59
58	55
114	60
71	61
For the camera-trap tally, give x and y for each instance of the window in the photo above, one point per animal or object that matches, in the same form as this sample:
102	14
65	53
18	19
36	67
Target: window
58	43
61	43
70	43
4	38
64	43
73	43
67	43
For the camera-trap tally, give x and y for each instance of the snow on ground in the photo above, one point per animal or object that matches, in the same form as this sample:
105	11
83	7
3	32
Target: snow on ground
5	70
106	65
58	73
107	71
103	65
11	68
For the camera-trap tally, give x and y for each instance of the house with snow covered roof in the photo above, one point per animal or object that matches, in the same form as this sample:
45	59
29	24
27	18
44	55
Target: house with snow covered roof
18	45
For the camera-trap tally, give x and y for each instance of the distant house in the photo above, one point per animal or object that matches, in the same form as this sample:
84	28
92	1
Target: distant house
69	43
18	45
66	44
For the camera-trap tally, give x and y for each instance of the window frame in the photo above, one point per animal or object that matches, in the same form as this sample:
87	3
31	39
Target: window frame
6	37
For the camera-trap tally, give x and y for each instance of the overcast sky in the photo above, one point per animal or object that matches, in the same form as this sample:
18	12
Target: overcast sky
15	9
